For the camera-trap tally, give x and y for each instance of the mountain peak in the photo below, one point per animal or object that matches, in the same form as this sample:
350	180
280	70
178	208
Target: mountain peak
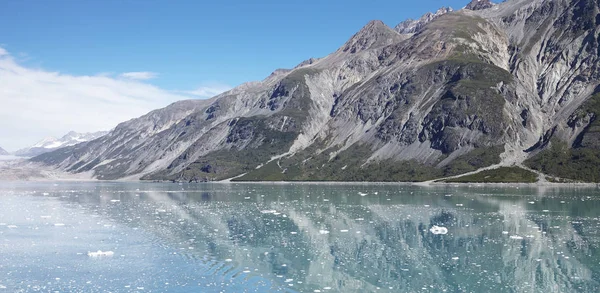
479	5
374	34
3	152
411	26
51	143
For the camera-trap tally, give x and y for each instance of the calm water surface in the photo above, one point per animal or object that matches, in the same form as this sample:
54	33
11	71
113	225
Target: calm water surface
297	238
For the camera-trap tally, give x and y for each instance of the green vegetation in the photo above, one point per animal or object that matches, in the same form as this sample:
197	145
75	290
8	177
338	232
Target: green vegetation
350	165
580	164
500	175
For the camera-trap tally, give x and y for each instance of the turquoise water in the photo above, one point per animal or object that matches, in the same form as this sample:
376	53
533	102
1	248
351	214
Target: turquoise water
297	238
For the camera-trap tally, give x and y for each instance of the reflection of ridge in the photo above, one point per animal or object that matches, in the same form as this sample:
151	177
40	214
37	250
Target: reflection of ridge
394	249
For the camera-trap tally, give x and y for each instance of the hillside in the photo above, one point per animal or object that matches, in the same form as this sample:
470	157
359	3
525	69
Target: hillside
491	84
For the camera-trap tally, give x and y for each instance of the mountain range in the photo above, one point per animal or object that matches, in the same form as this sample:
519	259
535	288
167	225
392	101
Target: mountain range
51	143
511	85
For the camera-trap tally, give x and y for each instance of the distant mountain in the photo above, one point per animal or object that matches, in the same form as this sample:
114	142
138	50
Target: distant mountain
3	152
51	143
513	84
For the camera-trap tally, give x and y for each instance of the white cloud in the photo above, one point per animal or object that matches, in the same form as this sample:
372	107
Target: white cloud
139	75
209	90
36	103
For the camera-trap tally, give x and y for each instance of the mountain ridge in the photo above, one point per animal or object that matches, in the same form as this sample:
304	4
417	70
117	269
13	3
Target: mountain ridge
49	144
485	85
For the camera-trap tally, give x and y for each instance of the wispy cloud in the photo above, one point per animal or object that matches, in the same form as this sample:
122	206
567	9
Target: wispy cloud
35	103
209	90
139	75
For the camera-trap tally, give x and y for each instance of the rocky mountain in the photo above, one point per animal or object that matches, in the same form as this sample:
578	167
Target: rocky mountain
479	5
3	152
51	143
411	26
508	84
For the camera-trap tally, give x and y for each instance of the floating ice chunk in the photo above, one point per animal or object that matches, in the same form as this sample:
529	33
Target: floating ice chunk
229	260
59	224
516	237
459	204
115	200
344	231
45	217
505	232
293	232
437	230
268	211
455	258
11	226
532	202
323	232
2	286
100	253
45	194
362	193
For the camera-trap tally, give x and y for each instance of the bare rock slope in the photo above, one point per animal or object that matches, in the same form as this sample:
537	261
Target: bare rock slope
490	84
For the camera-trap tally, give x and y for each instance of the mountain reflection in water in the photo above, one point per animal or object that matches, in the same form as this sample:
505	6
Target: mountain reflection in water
301	237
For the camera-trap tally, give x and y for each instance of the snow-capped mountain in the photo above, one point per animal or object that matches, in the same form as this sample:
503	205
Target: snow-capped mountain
51	143
3	152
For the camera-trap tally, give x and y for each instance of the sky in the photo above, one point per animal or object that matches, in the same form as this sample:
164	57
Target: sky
87	65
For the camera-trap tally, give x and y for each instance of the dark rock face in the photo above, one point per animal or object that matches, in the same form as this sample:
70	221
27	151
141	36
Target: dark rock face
479	5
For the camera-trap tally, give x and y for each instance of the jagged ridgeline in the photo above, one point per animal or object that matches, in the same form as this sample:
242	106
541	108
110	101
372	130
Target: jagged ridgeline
510	84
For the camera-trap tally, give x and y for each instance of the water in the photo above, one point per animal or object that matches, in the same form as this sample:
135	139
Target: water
297	238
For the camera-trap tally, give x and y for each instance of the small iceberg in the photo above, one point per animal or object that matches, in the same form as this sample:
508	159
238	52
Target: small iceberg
516	237
437	230
100	253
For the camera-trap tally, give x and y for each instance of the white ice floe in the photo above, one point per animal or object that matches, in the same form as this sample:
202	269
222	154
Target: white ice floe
268	211
59	224
516	237
344	231
455	258
323	231
437	230
362	193
100	253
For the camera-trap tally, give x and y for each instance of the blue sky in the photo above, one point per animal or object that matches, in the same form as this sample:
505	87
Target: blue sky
87	65
189	43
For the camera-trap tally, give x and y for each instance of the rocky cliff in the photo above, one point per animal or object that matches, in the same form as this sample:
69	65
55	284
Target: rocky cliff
490	84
